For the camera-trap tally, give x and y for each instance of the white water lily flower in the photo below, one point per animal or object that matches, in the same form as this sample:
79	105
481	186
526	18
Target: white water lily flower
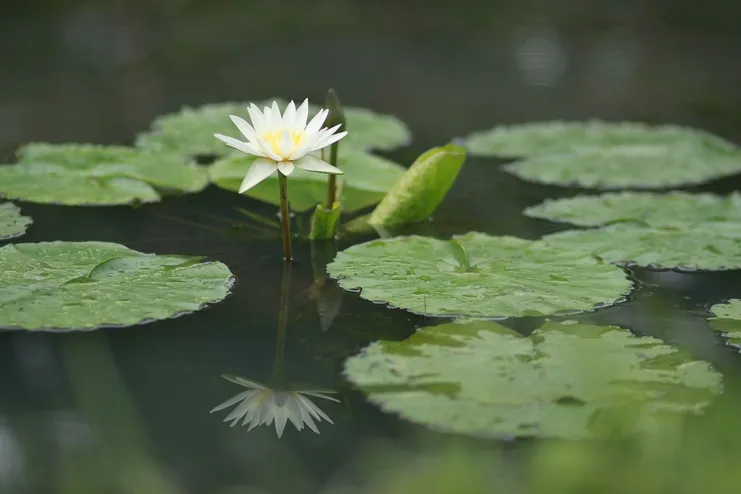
260	405
282	142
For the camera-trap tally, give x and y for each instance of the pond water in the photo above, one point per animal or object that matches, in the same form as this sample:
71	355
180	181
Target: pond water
127	410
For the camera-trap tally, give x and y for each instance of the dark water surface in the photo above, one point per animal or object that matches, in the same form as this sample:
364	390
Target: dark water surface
126	410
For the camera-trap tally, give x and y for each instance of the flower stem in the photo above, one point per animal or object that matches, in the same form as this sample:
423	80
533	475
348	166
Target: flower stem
332	192
285	218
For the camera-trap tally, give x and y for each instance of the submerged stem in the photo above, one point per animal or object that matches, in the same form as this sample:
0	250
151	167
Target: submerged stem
285	217
285	291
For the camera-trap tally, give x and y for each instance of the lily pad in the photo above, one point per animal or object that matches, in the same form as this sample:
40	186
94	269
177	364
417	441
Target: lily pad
87	174
712	247
727	321
547	138
88	285
366	180
12	222
478	275
673	209
191	131
566	380
642	167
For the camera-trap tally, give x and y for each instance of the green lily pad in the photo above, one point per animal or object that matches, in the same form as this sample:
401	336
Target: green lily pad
366	180
191	131
630	166
547	138
727	321
87	174
12	222
712	247
88	285
565	380
673	209
478	275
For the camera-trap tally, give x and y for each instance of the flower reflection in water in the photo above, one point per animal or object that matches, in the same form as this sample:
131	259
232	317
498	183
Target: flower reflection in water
260	405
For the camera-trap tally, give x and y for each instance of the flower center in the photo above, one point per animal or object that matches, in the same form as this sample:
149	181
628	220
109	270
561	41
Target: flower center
283	148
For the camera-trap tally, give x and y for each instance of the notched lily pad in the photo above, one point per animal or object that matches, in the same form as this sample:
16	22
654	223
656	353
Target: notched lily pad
710	247
191	131
673	209
87	285
727	321
478	275
87	174
365	181
12	222
566	380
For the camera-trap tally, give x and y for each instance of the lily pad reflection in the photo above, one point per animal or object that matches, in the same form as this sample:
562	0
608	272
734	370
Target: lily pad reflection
727	321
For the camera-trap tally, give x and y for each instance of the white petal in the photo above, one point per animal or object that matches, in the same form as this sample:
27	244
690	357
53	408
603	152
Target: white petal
326	141
267	411
244	382
259	121
320	395
302	114
280	422
315	410
313	164
289	116
241	409
231	401
334	129
244	127
306	418
260	170
294	413
245	147
316	123
271	118
285	167
254	419
276	114
250	416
